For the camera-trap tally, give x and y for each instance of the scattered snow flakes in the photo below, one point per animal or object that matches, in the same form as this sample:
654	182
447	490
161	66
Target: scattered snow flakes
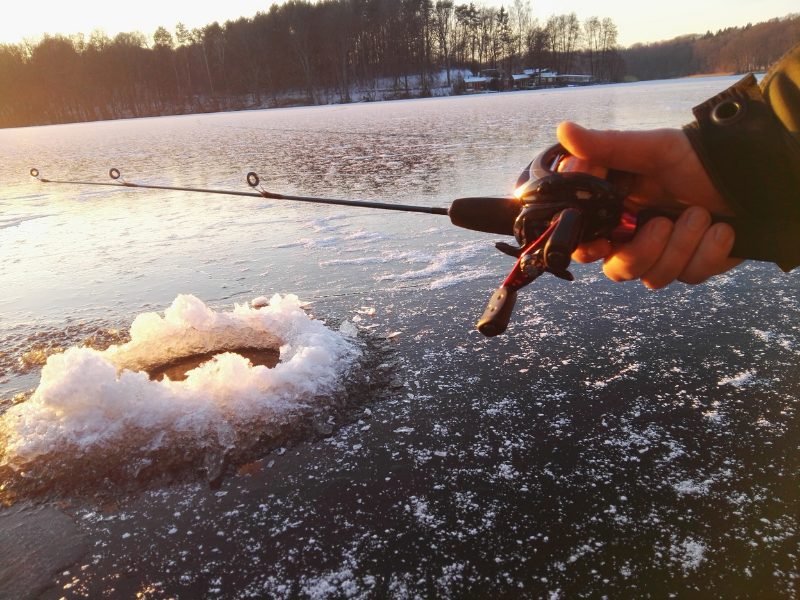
579	552
621	374
452	575
770	337
419	508
676	450
739	380
689	554
714	416
693	488
404	430
562	422
506	471
334	584
764	423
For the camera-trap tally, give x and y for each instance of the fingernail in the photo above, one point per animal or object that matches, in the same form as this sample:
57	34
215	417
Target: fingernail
596	254
723	234
697	219
660	229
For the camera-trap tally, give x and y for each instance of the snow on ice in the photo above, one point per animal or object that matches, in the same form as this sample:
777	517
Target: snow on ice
91	404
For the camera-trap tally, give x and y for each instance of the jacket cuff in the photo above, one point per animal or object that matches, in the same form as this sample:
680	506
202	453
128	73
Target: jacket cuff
754	162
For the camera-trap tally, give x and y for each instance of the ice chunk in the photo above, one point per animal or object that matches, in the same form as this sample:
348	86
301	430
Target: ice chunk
101	407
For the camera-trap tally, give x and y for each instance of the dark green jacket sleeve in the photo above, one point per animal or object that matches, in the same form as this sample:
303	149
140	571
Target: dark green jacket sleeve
781	89
748	139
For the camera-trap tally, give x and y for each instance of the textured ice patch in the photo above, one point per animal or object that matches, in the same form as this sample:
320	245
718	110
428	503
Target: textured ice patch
13	221
447	266
459	277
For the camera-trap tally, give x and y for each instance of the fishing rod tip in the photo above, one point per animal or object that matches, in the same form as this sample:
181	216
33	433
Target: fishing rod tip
35	172
114	173
253	179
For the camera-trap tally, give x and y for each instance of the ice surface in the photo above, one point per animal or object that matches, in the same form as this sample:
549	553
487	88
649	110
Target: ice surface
513	454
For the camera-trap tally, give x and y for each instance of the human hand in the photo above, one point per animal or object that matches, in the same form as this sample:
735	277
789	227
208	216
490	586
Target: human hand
670	175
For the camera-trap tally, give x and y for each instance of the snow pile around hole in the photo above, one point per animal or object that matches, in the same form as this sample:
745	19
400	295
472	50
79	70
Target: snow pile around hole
97	413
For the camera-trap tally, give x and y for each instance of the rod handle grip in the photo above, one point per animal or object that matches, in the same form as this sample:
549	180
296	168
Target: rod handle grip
495	318
490	215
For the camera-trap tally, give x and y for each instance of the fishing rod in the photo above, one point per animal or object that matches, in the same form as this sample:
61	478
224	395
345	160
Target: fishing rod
551	212
486	214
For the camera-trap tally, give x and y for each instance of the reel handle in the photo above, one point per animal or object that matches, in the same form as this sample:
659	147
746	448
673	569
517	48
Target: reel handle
564	240
495	318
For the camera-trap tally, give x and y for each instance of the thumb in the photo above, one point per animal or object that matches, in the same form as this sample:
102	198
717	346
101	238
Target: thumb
633	151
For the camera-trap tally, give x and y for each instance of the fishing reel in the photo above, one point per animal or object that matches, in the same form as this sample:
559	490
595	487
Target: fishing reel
558	210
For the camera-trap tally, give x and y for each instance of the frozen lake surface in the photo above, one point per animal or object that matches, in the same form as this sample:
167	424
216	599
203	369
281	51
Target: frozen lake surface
616	441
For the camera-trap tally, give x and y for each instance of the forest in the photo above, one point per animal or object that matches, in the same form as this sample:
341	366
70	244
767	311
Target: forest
302	52
752	48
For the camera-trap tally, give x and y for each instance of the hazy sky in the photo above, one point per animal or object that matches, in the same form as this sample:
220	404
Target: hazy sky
643	21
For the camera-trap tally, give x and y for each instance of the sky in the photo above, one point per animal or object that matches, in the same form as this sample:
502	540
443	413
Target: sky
645	21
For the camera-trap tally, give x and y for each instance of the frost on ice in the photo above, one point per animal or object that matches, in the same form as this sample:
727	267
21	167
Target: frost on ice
99	415
739	380
689	554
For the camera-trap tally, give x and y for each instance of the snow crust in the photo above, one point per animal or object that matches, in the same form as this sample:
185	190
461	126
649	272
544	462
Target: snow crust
88	400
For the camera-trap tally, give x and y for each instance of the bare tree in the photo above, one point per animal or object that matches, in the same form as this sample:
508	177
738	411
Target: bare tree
609	56
592	36
522	23
443	24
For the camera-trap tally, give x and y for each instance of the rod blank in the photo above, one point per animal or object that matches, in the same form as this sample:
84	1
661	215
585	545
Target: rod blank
253	181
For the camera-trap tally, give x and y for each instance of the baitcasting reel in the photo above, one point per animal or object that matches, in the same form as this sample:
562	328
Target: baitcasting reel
559	210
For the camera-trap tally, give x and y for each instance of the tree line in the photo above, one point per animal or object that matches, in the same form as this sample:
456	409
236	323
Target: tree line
302	52
298	52
751	48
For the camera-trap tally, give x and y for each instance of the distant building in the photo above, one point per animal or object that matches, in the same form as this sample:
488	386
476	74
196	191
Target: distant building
521	81
476	83
537	78
488	80
541	77
570	79
529	79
